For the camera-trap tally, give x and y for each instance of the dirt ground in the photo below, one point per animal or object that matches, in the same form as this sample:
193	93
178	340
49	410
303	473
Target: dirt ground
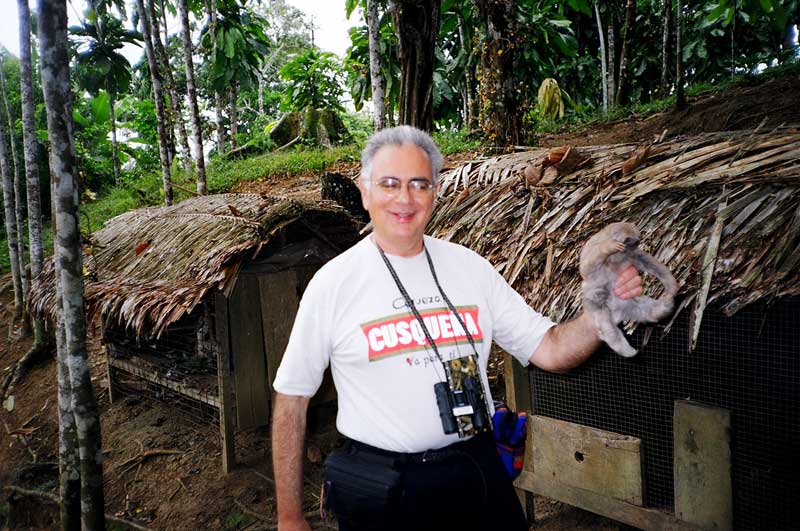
744	106
183	488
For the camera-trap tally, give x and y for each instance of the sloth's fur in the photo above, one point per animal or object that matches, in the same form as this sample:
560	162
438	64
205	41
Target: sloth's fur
603	257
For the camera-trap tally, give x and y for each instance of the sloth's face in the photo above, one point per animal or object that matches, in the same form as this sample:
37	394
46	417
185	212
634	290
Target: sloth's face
627	234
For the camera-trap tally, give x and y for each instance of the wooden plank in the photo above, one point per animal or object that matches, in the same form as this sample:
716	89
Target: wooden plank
279	302
607	463
224	382
702	465
247	349
641	517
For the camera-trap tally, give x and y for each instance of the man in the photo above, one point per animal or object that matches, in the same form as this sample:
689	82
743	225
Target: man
390	316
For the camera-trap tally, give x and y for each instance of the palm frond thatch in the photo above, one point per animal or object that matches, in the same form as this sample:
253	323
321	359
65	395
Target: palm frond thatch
675	192
149	267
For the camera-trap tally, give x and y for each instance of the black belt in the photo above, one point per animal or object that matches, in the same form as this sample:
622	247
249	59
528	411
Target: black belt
469	447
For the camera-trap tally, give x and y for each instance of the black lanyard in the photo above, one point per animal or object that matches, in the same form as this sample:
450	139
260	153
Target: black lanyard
410	303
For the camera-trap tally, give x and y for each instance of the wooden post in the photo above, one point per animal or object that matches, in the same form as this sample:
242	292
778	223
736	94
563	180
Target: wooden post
227	440
518	398
702	465
112	393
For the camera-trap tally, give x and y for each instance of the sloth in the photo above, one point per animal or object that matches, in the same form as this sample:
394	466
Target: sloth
602	259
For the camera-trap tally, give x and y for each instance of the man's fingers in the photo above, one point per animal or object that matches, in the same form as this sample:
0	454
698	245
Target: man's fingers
629	284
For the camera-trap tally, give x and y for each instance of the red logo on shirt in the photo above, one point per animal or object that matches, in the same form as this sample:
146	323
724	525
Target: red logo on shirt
402	333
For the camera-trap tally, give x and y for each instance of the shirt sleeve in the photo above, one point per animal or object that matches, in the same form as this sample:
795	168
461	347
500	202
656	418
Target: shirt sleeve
308	351
517	328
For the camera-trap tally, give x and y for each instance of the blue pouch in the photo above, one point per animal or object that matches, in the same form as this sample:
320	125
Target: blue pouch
510	435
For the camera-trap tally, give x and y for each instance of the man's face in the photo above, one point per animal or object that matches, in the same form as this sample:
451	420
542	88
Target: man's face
399	217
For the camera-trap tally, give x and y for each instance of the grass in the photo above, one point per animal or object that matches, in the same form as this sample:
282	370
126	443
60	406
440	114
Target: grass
455	141
224	174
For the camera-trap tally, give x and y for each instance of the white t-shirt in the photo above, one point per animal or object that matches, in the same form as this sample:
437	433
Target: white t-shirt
353	317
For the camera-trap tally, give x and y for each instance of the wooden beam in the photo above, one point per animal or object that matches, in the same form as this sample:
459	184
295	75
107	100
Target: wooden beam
225	385
641	517
702	465
156	378
604	462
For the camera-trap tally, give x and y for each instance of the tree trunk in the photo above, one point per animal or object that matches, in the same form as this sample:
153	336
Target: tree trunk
603	67
417	25
191	89
114	146
69	257
211	6
30	150
612	60
627	31
12	234
19	205
219	120
261	93
680	94
469	78
69	472
373	25
666	10
234	113
158	95
175	110
499	95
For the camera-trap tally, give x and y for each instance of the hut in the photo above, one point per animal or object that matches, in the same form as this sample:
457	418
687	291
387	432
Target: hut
700	429
196	300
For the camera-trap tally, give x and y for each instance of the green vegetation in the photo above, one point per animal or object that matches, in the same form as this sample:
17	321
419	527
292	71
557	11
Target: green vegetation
456	141
222	175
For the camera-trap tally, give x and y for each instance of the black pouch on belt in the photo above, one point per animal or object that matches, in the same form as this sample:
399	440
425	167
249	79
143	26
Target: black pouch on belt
362	487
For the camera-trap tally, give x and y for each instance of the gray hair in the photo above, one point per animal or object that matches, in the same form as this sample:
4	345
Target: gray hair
398	136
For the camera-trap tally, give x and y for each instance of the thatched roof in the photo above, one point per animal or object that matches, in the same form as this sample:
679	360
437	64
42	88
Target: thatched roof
149	267
729	200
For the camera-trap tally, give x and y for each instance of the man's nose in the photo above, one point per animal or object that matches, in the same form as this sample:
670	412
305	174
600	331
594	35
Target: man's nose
404	193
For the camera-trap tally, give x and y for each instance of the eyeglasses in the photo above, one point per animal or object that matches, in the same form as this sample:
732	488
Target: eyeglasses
393	185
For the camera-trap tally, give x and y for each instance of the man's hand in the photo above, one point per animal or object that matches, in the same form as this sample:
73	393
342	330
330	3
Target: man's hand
629	284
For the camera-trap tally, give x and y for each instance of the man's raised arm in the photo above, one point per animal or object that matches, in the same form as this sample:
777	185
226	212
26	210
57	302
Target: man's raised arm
288	443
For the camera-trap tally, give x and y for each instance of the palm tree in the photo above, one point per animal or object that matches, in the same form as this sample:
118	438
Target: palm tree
191	89
77	405
19	208
101	66
158	95
373	23
11	222
30	148
238	45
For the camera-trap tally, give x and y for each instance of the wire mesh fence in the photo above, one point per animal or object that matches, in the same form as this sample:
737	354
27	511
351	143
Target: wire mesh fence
179	367
748	364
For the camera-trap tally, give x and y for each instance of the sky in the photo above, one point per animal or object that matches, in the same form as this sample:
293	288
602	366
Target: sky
328	17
